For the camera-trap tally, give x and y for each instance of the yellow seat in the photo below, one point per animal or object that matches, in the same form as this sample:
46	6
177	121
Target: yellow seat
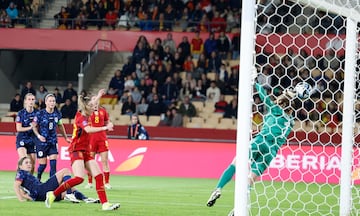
123	120
7	119
152	121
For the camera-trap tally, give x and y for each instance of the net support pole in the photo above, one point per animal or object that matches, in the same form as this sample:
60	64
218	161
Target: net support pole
244	107
348	117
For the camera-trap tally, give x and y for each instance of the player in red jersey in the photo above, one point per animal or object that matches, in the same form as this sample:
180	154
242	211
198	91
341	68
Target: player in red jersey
99	143
80	154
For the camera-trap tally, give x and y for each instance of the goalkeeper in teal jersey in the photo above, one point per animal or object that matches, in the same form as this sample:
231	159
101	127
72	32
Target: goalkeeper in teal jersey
277	125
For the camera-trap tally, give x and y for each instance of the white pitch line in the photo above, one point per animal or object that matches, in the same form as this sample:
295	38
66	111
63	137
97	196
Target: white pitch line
8	197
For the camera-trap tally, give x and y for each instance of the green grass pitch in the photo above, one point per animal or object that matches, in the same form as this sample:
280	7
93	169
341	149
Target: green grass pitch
156	196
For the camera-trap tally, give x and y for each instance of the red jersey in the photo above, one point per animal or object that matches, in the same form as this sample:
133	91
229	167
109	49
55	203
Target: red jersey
80	139
98	119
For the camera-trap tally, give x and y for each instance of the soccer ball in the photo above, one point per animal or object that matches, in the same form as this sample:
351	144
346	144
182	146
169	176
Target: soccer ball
303	90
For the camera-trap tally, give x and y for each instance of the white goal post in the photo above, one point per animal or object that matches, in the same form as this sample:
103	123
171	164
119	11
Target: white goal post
276	38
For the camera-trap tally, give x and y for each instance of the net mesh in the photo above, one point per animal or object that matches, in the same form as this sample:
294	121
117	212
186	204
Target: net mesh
302	43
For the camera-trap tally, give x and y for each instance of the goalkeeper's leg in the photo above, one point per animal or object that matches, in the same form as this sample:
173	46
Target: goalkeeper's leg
224	179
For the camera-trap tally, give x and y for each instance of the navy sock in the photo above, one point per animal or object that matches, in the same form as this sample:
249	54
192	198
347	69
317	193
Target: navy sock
40	170
52	167
79	195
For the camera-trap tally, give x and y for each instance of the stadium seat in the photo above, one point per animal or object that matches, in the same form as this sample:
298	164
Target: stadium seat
210	75
199	105
143	119
7	119
228	98
123	120
152	121
118	106
108	107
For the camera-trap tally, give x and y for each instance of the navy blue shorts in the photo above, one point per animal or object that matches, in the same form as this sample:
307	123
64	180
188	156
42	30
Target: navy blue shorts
29	145
45	149
50	185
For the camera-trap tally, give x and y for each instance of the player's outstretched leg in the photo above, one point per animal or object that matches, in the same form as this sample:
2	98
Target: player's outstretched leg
50	197
213	197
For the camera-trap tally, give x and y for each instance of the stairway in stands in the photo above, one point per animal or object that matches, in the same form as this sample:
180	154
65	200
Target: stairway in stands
48	20
103	79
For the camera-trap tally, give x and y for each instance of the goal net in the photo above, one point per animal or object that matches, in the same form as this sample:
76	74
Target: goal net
317	170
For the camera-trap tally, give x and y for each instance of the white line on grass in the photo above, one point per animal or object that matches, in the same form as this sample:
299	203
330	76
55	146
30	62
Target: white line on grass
8	197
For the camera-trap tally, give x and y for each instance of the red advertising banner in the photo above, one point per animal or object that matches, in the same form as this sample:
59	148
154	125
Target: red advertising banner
319	164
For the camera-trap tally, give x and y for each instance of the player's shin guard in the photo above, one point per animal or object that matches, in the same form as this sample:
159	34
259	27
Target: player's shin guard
100	188
68	185
40	170
52	167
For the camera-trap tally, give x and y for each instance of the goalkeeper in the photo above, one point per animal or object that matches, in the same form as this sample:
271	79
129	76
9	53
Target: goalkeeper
278	123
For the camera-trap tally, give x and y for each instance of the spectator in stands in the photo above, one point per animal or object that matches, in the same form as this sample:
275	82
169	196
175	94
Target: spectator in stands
235	46
221	105
197	45
136	95
69	92
210	45
41	93
129	83
116	85
185	47
68	110
177	118
142	107
27	89
62	18
186	91
168	57
146	24
189	64
150	96
223	73
139	53
58	96
200	91
135	130
170	42
187	108
13	13
218	23
178	62
5	20
231	109
156	107
128	107
185	18
111	19
169	17
169	92
166	119
204	24
223	46
213	93
214	62
128	66
197	14
158	48
16	103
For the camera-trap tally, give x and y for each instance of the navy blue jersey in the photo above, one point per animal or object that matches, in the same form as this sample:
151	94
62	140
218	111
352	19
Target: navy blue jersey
36	189
25	118
47	123
28	181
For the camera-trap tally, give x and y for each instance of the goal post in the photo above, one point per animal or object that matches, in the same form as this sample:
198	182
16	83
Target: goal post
315	41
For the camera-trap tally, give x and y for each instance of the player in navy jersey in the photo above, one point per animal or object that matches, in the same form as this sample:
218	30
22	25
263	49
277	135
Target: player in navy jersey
25	143
28	187
45	123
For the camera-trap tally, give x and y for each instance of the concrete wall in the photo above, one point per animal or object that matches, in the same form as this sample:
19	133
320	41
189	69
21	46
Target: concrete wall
7	68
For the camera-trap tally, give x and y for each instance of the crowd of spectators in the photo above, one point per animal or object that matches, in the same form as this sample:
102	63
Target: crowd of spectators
19	12
164	78
163	15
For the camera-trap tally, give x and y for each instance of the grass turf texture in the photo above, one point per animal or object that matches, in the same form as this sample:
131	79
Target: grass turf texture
155	196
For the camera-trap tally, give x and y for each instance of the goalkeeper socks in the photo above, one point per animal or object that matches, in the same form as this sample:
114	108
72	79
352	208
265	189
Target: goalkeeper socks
100	188
68	185
78	195
40	170
107	177
52	167
226	176
89	178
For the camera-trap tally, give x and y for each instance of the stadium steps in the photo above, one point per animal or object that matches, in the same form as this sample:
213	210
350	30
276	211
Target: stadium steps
48	20
104	77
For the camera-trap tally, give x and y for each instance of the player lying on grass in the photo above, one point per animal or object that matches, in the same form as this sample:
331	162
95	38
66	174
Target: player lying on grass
80	154
278	122
28	187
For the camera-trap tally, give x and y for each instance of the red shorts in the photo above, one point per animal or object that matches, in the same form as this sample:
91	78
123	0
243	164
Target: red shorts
80	155
99	146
